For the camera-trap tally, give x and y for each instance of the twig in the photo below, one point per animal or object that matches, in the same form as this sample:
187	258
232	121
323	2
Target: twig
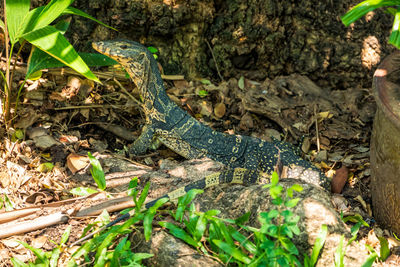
89	106
126	92
316	128
215	61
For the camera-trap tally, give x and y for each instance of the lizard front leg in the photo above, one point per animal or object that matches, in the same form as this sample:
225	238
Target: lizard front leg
144	141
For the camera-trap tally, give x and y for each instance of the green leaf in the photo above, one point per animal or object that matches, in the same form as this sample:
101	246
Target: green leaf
152	49
241	82
149	216
142	196
45	167
384	251
75	11
40	254
339	254
47	15
319	243
274	178
232	251
82	191
65	235
51	41
292	202
180	233
18	263
364	7
203	93
370	260
55	255
243	219
394	38
97	172
63	25
117	252
243	240
16	10
205	82
200	227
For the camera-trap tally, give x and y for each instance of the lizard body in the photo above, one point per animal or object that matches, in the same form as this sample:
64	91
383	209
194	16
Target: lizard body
248	160
176	129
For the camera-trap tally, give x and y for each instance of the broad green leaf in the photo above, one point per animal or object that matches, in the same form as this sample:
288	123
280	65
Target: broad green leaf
36	75
75	11
39	60
97	172
51	41
364	7
16	10
233	251
48	14
395	35
63	25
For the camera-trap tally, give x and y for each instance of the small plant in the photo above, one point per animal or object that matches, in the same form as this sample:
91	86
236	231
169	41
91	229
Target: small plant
23	26
366	6
233	242
44	258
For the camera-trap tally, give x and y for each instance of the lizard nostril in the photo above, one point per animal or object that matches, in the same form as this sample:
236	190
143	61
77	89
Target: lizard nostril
123	46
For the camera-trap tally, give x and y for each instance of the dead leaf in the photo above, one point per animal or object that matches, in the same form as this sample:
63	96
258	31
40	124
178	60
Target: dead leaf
219	110
339	180
76	162
206	109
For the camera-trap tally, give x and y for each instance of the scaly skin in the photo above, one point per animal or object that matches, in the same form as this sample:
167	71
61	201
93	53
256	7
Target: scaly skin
249	160
186	136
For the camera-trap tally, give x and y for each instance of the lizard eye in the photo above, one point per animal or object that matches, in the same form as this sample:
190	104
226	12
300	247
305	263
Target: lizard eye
123	46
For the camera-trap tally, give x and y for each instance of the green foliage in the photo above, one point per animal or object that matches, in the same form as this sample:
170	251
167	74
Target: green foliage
270	245
366	6
153	50
33	26
44	258
97	172
101	245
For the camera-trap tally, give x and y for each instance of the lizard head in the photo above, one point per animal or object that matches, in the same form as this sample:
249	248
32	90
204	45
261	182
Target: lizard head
134	57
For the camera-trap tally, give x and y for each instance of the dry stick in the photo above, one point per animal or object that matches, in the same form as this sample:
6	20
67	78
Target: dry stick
126	92
215	61
316	127
102	74
36	224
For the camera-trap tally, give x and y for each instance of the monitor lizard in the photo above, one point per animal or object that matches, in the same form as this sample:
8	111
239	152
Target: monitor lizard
248	160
